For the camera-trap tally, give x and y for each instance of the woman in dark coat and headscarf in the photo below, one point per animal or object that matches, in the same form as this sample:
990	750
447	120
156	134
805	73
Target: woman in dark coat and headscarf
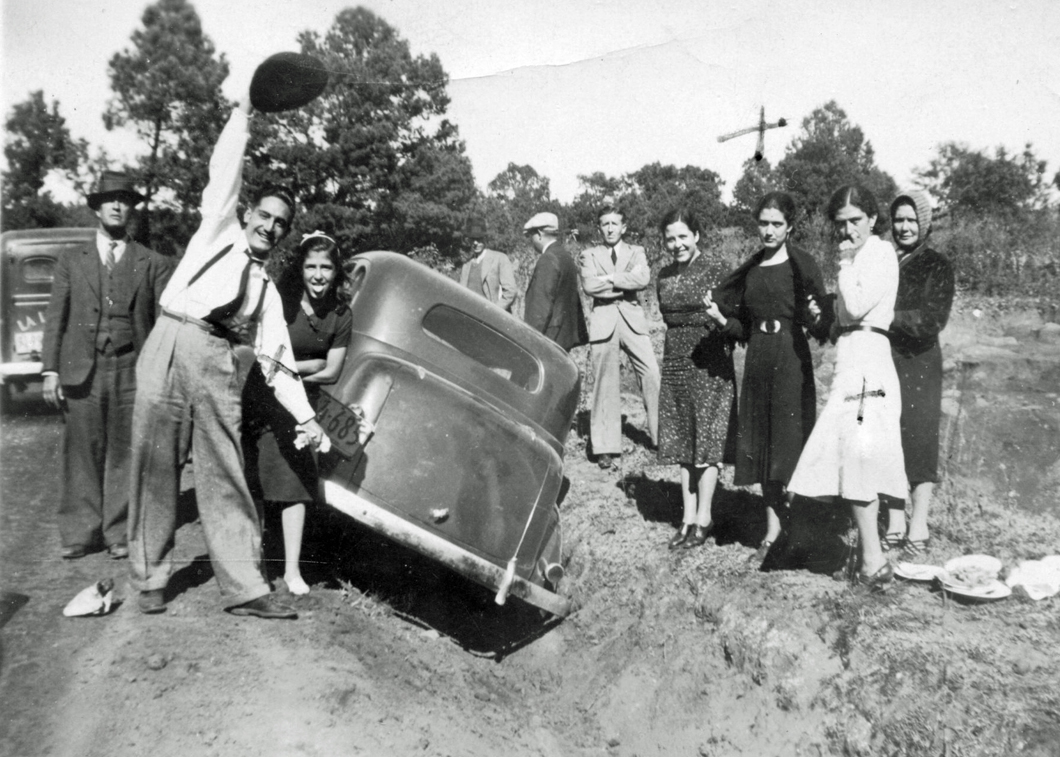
925	294
774	299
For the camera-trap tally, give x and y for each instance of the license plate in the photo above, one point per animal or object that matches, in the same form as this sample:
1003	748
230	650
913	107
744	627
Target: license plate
339	423
28	342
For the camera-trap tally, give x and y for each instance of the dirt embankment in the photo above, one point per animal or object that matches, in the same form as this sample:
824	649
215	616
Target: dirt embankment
669	653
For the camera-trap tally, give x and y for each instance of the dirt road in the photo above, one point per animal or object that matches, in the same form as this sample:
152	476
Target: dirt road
686	653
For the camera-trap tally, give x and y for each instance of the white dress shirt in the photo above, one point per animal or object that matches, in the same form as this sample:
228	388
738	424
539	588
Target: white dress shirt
103	243
220	228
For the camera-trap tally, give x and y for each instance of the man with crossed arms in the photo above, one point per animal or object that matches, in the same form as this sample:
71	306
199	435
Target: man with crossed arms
611	275
220	312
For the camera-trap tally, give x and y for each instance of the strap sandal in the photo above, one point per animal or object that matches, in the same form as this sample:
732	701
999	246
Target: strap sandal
914	549
892	542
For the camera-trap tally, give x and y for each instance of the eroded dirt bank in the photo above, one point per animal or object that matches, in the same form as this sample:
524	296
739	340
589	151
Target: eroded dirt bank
687	653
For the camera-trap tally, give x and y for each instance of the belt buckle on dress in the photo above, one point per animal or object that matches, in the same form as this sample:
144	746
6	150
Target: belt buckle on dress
769	327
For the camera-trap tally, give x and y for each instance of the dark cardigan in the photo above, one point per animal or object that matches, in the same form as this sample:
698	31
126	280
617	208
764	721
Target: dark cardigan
925	295
808	281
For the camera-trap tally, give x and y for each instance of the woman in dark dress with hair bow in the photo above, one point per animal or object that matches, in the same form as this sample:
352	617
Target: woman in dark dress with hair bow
773	300
278	469
921	310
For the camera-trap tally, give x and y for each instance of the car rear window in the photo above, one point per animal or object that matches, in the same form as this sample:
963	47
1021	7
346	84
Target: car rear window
484	345
38	270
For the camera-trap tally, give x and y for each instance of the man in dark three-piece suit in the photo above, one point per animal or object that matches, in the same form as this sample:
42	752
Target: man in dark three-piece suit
103	305
552	301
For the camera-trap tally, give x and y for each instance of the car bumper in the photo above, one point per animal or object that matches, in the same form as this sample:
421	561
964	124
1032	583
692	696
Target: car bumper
456	558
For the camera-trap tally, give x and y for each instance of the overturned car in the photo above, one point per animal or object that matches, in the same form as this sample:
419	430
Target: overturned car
470	408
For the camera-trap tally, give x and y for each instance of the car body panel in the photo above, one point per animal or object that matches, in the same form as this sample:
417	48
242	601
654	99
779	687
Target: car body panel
27	264
470	409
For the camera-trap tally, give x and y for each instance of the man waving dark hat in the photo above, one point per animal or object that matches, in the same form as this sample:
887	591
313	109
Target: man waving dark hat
103	305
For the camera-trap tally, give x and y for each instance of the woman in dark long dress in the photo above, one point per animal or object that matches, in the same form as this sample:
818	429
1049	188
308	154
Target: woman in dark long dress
772	301
921	310
697	398
278	469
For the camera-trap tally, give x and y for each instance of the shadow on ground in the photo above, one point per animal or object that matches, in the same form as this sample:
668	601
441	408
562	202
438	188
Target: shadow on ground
338	552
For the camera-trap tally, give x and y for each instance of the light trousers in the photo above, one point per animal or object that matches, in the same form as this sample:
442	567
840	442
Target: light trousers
190	388
606	425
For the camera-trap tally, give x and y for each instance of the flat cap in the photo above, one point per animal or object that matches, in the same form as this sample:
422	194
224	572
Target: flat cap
542	221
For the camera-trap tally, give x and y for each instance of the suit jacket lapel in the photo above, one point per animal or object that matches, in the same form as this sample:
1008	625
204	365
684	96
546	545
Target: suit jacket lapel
90	267
622	252
139	261
603	259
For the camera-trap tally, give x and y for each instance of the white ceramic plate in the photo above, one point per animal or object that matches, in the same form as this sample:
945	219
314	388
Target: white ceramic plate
995	590
916	572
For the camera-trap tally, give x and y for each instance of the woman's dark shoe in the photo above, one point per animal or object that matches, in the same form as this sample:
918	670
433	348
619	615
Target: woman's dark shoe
604	460
683	533
760	554
698	536
74	552
878	581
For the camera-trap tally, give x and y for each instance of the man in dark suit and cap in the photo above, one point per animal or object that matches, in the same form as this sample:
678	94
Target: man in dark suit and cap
552	304
103	305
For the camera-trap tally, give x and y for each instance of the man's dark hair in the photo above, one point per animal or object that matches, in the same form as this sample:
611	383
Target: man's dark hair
610	206
279	191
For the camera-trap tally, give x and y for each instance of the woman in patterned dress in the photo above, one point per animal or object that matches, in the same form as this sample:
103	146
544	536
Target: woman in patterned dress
767	304
319	323
854	453
697	398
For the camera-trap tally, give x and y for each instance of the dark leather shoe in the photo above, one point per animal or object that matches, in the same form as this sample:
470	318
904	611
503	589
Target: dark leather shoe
698	537
76	552
265	607
151	602
878	581
604	460
118	551
682	534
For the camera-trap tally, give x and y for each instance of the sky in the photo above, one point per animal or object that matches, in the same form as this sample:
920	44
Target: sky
576	86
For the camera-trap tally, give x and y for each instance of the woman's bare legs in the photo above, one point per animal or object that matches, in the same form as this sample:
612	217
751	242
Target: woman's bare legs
293	517
865	515
706	482
918	522
773	493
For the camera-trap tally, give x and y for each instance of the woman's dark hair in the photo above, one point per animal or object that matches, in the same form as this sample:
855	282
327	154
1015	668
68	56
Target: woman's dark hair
680	215
781	201
292	284
856	195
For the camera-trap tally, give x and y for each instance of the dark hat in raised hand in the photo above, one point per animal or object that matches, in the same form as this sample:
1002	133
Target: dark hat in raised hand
112	185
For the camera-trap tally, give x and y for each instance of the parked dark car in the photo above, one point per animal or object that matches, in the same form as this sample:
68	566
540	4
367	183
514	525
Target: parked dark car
471	409
27	266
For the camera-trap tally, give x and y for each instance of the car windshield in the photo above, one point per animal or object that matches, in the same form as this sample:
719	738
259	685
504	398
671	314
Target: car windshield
484	345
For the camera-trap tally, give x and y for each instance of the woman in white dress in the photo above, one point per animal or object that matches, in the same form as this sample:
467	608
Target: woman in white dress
855	451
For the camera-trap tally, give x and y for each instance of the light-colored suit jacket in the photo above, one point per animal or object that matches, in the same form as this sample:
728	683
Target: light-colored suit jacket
618	298
498	278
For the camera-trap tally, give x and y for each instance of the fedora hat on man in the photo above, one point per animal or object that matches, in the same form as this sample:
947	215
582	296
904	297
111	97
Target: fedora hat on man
114	184
475	229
